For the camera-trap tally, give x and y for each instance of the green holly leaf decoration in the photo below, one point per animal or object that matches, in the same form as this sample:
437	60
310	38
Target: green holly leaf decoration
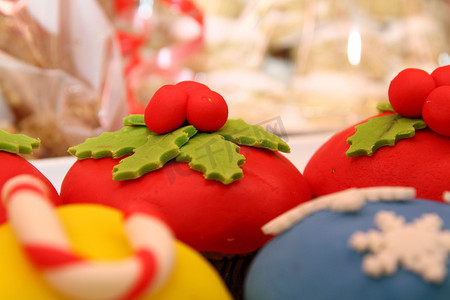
154	154
17	143
381	131
215	157
134	120
215	154
385	107
112	144
239	132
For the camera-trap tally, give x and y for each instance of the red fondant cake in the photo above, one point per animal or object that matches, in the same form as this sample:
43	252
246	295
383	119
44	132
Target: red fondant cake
245	182
206	214
12	164
422	161
396	148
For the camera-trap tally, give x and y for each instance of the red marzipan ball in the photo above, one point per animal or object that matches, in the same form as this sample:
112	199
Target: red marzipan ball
166	110
436	110
206	110
441	75
190	86
409	90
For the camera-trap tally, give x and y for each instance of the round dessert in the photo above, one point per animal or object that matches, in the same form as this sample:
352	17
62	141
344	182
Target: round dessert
208	215
214	194
221	210
90	251
12	164
371	243
388	149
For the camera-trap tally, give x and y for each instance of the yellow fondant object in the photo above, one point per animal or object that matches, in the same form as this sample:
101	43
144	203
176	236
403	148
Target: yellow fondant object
96	232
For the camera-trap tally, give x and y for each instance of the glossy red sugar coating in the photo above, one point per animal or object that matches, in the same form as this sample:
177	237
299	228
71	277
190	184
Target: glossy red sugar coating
13	165
206	110
190	86
205	214
166	110
436	110
422	161
409	90
441	75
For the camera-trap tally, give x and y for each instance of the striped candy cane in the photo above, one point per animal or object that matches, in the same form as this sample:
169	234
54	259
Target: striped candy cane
36	224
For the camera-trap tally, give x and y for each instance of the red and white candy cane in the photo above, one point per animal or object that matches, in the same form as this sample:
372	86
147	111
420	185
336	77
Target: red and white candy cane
41	233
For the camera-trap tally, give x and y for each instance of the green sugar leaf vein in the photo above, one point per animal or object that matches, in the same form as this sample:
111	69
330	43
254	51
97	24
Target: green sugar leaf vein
239	132
153	154
217	158
112	144
381	131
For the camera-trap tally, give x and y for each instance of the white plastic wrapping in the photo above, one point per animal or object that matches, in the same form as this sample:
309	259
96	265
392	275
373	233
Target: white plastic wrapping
61	76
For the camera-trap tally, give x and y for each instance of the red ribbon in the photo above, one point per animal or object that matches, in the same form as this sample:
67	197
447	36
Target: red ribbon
131	43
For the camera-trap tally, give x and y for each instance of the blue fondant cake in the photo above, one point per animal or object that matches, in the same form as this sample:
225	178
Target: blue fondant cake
313	259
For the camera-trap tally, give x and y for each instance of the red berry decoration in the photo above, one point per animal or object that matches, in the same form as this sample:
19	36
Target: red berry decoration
409	90
190	86
441	75
206	110
436	110
166	110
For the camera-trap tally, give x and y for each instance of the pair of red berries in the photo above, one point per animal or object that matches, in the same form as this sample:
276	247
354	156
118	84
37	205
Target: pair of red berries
172	105
414	93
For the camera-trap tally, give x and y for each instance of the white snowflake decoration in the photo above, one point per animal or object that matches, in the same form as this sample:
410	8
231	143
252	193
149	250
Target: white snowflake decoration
421	246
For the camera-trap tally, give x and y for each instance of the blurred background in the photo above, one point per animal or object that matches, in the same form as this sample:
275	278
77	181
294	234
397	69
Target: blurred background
73	69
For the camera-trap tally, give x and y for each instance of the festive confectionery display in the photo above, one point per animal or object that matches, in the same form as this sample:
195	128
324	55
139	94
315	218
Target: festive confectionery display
69	80
368	243
408	144
214	194
12	146
87	251
173	117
